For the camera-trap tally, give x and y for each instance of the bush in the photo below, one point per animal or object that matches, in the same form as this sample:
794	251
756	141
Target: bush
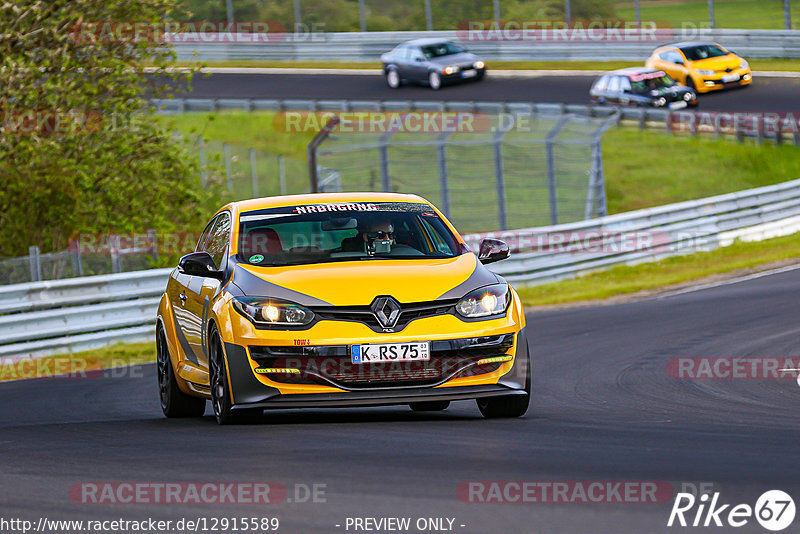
77	151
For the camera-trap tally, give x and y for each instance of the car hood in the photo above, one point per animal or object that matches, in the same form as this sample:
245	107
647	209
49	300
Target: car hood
719	63
358	283
463	58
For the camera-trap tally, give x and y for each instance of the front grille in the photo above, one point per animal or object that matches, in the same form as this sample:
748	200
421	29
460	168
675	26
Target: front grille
365	315
331	364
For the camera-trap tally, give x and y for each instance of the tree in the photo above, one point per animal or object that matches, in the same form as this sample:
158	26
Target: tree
78	151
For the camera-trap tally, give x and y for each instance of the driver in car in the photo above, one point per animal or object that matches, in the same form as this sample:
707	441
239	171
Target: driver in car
374	236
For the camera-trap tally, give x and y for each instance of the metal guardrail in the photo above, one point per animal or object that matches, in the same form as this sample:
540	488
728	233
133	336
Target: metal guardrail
78	314
642	116
354	46
556	252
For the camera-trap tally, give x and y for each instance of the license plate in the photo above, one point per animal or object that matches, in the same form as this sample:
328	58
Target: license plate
677	105
390	352
728	78
468	73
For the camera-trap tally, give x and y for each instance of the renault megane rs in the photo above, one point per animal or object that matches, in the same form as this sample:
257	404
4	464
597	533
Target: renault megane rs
332	300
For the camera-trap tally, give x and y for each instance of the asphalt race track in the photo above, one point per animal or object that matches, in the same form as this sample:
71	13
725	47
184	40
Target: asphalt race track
765	94
604	408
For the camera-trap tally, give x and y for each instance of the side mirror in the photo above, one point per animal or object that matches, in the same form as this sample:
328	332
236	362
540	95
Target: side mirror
493	250
199	264
419	59
678	61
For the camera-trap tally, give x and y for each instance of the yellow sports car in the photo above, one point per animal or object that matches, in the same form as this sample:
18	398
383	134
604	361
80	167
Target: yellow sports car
702	66
331	300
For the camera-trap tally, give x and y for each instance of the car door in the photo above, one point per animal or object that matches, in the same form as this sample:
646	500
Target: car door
201	289
613	90
624	90
674	64
178	291
193	302
417	65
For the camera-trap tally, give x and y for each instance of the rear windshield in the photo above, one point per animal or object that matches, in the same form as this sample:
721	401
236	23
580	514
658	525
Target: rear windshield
321	233
441	49
696	53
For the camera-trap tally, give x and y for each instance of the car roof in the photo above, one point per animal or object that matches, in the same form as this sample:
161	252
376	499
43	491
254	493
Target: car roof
319	198
426	41
686	44
631	70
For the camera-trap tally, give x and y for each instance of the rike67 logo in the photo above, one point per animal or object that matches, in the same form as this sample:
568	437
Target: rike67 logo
774	510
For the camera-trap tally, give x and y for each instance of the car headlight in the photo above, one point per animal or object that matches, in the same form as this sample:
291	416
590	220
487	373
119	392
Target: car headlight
479	64
688	97
450	70
484	302
705	72
271	312
744	64
658	102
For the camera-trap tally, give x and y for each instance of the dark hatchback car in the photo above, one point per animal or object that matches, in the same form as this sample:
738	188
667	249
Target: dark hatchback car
641	87
430	61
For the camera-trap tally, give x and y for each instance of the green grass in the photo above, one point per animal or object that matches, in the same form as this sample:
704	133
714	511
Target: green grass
80	364
686	168
760	14
756	64
624	280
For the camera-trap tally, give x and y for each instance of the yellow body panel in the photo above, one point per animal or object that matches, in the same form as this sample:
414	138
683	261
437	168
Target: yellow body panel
689	70
351	283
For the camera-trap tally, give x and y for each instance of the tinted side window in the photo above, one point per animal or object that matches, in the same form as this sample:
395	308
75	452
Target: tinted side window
613	84
219	238
201	243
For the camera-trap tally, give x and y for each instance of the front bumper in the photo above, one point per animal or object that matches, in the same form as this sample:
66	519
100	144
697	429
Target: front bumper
716	83
248	391
459	76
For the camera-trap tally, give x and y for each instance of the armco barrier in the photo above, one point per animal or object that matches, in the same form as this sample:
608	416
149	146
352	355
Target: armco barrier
81	313
354	46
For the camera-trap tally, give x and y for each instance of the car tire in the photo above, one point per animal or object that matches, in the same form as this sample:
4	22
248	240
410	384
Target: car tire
393	78
690	83
220	388
509	405
174	402
429	406
434	80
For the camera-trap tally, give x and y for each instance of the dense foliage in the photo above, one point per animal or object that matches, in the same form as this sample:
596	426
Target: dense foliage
77	151
389	15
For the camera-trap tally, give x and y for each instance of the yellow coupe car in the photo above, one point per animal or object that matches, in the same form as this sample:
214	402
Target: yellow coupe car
702	66
332	300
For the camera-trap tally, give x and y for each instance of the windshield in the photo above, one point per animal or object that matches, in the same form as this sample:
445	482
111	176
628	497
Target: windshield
440	49
659	81
696	53
320	233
